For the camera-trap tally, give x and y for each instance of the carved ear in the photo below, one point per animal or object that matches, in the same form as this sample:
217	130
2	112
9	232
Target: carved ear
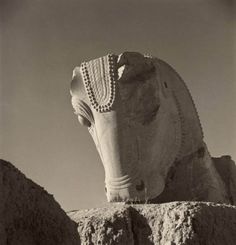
129	58
132	65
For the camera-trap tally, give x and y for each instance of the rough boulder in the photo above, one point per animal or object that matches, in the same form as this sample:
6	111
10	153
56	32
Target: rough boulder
29	215
192	223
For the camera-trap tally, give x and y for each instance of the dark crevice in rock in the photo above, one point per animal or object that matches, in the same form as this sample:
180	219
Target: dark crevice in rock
186	223
141	230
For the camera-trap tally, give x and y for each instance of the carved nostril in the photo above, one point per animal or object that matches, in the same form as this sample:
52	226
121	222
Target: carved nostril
105	189
140	187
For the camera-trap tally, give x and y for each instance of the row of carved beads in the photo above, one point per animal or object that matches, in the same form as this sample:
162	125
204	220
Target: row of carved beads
110	62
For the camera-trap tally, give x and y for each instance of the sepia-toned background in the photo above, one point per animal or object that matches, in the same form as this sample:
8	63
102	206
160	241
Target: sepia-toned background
43	40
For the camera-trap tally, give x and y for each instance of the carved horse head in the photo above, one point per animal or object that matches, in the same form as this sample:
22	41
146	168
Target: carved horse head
132	107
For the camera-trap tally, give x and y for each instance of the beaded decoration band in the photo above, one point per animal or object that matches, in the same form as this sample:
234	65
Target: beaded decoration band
99	77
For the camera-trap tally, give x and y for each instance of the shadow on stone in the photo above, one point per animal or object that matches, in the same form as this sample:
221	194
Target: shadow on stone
29	215
226	168
142	233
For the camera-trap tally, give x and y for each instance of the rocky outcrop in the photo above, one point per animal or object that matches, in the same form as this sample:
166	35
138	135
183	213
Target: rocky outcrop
170	223
192	223
29	215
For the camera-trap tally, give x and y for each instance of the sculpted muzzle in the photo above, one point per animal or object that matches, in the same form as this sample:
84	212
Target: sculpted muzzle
133	117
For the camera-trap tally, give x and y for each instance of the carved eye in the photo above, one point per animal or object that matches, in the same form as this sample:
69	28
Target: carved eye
84	121
82	111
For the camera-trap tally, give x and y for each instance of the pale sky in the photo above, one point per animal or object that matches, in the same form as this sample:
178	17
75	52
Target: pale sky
43	40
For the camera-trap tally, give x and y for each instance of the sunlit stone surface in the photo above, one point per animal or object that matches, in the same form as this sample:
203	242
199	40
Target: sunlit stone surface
145	126
176	223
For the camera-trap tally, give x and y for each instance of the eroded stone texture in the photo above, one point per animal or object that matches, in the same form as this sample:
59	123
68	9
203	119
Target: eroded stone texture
146	128
29	215
177	223
108	225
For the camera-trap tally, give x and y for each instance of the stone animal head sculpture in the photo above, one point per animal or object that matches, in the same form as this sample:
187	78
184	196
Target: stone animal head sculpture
141	117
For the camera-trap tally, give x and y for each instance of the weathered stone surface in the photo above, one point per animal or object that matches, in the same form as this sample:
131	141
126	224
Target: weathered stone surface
226	168
192	180
141	117
190	223
29	215
146	128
